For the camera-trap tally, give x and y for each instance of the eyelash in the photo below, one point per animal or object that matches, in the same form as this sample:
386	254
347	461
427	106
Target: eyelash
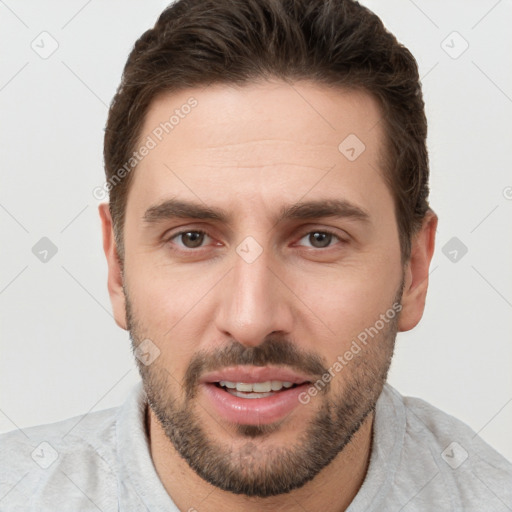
323	231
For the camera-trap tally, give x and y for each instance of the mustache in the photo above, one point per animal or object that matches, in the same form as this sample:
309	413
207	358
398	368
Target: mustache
274	350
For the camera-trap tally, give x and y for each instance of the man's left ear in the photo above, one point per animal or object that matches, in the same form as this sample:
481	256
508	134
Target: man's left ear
416	273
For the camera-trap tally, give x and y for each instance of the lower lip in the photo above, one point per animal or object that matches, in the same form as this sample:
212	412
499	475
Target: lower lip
253	411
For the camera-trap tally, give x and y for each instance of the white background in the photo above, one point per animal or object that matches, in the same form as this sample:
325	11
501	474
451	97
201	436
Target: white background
61	352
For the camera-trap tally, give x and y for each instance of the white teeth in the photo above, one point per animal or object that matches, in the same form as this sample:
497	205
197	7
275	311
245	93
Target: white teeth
276	385
227	384
242	386
256	387
262	387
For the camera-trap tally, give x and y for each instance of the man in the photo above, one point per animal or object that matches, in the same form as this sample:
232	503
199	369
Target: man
268	233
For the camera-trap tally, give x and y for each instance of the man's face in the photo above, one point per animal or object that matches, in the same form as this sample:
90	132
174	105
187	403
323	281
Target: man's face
272	291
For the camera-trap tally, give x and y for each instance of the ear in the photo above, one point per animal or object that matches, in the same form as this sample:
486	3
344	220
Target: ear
115	277
416	273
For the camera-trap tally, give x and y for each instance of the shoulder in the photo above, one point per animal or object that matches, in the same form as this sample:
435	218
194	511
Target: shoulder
74	458
450	462
457	442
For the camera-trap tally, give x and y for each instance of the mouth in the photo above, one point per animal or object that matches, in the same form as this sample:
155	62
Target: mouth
255	389
253	395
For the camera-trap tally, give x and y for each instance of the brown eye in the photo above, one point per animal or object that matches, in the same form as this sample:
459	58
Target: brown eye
319	239
190	239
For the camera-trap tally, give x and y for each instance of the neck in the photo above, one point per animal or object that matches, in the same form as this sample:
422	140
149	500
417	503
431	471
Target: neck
332	490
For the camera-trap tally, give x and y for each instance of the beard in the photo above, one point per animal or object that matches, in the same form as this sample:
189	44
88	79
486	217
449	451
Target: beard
256	466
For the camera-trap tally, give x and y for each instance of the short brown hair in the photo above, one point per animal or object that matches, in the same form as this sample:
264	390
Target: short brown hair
332	42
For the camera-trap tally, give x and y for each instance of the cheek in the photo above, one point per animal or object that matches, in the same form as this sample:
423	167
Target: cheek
168	307
163	293
348	300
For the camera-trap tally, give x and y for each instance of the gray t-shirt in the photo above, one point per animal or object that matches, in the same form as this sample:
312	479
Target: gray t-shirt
422	460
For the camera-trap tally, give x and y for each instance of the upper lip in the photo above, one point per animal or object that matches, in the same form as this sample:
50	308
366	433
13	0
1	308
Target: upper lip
252	374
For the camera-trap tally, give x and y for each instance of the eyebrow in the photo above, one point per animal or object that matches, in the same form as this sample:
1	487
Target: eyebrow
175	208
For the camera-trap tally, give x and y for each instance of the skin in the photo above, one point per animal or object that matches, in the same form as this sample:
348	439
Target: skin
251	151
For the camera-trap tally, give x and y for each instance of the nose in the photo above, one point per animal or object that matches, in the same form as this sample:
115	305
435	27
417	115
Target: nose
255	301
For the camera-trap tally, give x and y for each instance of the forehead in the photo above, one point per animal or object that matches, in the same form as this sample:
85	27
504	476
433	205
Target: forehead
273	141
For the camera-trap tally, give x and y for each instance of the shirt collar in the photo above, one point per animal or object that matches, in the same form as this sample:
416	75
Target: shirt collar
137	476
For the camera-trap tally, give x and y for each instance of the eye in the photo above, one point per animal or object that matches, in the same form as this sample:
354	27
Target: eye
195	239
320	239
189	239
